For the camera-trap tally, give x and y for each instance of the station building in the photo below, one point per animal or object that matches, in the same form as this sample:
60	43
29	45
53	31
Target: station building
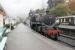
2	16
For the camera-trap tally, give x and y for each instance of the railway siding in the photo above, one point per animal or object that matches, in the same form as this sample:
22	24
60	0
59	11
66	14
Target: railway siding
67	39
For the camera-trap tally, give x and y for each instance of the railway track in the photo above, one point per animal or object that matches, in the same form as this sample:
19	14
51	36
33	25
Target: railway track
67	39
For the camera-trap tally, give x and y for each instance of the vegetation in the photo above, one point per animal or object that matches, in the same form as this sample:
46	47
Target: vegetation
60	10
40	11
71	6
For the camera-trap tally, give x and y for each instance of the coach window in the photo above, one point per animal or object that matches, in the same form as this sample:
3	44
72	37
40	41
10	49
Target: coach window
59	20
67	19
62	19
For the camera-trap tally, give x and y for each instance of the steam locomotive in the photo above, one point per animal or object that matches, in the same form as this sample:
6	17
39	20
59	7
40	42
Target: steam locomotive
45	25
62	28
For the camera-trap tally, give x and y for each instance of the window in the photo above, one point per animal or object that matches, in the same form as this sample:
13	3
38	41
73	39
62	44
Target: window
67	19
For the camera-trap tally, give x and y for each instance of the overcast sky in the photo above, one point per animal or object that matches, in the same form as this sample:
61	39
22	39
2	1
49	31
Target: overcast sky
21	7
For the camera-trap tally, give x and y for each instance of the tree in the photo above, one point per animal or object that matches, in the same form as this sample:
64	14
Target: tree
60	10
71	6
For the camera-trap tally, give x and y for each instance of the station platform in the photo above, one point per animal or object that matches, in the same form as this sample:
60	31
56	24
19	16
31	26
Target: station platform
23	38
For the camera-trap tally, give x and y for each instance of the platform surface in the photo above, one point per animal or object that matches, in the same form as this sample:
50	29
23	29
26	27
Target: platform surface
23	38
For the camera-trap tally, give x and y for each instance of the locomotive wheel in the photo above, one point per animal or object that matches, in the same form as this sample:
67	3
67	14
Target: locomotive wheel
54	36
33	27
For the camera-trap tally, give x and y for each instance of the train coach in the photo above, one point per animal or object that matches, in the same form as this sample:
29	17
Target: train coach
69	20
67	25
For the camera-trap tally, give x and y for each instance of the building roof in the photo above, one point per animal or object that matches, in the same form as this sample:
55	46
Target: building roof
66	16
